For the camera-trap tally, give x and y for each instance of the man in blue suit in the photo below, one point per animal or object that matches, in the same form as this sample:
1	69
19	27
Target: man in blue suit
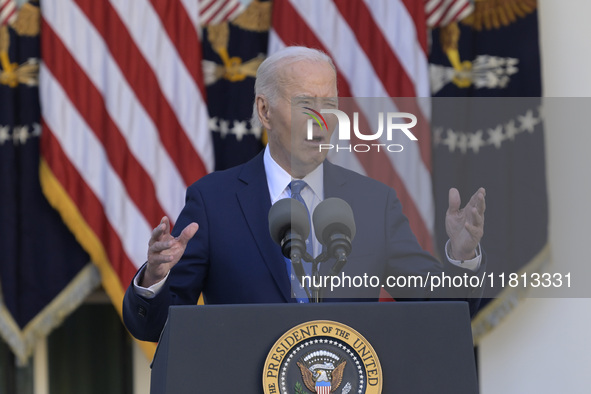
221	246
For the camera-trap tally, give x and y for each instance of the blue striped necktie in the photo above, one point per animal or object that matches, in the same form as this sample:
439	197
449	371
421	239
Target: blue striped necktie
296	186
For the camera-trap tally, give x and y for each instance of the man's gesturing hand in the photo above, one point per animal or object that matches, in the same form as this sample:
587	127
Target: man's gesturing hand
165	251
465	227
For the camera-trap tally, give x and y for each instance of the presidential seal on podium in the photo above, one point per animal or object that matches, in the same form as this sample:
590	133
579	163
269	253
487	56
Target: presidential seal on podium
322	357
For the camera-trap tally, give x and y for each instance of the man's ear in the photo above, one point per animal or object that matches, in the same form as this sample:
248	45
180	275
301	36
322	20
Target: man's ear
263	109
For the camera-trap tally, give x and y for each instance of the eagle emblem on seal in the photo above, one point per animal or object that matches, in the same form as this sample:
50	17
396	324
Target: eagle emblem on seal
321	377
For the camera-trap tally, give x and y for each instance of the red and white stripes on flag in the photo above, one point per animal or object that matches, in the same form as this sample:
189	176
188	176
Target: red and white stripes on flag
8	11
443	12
213	12
124	122
379	49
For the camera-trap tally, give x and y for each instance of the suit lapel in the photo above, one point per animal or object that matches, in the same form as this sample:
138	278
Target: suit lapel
334	180
255	203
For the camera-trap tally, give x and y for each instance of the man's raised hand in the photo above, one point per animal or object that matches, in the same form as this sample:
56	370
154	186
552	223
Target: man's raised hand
164	251
465	227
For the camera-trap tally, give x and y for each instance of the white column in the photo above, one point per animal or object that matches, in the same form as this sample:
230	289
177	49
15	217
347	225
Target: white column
544	346
40	368
141	371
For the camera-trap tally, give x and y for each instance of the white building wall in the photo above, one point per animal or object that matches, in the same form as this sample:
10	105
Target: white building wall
544	346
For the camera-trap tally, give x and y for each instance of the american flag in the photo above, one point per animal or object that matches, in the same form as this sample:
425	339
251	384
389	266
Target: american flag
7	11
213	12
124	122
443	12
379	49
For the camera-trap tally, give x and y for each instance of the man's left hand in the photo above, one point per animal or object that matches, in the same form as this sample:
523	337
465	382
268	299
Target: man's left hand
465	227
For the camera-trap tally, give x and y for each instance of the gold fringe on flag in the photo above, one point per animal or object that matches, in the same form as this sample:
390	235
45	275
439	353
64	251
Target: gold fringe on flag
498	309
61	201
23	342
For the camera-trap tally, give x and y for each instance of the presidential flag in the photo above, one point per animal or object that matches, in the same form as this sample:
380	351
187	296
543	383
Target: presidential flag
124	123
44	274
232	52
494	138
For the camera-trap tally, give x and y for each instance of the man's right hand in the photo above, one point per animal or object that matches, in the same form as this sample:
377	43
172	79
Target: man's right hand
165	251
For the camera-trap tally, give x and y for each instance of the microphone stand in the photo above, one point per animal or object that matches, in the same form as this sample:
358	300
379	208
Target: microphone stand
315	281
316	290
340	246
294	243
296	262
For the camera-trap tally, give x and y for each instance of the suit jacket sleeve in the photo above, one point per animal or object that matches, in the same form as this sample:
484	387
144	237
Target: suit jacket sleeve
145	318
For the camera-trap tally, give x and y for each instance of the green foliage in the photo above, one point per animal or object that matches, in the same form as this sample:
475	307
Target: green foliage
299	389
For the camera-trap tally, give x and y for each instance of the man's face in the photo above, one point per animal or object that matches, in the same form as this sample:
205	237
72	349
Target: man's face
303	84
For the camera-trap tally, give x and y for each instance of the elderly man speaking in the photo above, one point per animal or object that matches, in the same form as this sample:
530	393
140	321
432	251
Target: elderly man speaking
221	246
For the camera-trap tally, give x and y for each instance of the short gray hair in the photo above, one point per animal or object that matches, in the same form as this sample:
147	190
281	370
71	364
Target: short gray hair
267	81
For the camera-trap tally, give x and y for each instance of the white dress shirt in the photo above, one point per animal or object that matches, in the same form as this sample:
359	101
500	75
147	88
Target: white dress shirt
278	181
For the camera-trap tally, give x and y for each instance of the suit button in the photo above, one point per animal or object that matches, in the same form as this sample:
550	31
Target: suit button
141	311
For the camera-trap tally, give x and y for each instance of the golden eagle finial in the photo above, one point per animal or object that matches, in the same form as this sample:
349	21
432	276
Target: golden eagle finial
256	17
488	14
493	14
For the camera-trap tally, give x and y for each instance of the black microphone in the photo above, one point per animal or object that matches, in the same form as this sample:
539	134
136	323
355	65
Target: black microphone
289	226
335	228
